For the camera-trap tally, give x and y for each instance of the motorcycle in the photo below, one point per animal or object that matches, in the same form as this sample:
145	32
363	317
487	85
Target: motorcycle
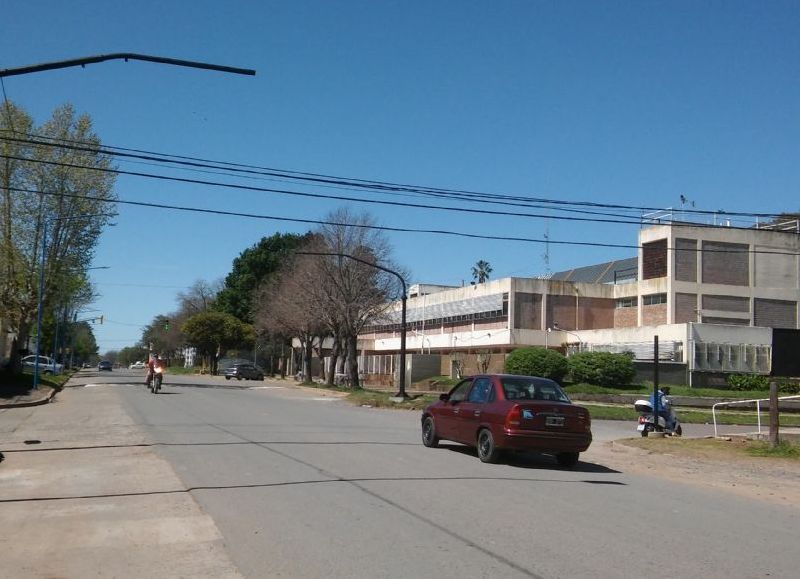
156	379
648	424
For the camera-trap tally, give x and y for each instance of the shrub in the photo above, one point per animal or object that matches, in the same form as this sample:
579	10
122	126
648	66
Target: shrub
537	362
602	368
789	388
747	381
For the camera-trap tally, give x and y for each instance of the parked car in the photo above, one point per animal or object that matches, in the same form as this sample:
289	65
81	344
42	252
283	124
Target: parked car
46	365
137	365
105	365
499	412
246	371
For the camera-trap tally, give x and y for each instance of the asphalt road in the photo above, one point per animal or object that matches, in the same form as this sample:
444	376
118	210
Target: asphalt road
305	485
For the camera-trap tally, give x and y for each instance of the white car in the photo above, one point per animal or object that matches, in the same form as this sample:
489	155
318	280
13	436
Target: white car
46	364
137	366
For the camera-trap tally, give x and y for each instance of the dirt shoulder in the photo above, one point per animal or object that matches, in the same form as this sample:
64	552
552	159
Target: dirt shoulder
714	464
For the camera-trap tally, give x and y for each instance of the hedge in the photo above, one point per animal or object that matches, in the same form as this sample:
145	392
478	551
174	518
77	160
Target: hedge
537	362
602	368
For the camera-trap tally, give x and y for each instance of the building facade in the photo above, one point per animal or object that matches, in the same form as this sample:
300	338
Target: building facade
711	294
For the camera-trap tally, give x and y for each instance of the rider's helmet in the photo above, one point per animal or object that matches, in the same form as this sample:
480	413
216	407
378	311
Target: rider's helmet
665	390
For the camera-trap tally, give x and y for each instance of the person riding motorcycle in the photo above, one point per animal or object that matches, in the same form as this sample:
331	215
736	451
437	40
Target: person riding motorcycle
154	362
664	406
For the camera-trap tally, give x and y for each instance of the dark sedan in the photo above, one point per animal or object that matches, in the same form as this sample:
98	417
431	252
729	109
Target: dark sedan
105	365
243	371
499	412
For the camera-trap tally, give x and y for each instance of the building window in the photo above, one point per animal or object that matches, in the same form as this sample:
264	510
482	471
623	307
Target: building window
654	299
630	302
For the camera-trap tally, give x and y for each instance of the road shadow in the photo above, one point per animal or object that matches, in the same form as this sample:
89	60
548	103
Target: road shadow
534	461
244	386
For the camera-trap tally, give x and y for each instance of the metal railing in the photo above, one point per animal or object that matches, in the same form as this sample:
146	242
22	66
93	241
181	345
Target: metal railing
758	408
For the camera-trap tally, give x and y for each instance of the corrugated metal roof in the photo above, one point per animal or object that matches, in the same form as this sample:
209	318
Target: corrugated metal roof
602	272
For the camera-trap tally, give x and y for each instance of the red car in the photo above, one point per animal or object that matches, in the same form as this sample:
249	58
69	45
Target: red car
505	412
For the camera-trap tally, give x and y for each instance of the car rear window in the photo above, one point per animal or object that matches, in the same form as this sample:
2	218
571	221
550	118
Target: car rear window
532	388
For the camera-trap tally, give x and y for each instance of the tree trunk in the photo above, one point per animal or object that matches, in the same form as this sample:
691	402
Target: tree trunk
352	362
334	361
307	357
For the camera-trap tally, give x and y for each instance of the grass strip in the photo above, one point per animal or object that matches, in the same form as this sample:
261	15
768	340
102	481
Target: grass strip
720	449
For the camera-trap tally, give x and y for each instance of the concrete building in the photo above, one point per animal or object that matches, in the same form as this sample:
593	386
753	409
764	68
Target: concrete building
713	295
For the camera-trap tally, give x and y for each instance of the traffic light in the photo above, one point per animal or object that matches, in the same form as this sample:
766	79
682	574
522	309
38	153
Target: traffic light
166	325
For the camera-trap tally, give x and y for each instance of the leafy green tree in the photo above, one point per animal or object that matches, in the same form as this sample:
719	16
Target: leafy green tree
481	271
602	368
83	342
48	184
537	362
251	269
131	354
214	332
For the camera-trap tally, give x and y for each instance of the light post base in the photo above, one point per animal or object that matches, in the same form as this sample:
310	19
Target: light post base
400	397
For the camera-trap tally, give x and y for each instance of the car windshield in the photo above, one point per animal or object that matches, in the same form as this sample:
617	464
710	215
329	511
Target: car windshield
532	388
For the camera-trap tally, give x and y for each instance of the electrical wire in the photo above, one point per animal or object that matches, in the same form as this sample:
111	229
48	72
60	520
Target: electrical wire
351	183
388	228
343	198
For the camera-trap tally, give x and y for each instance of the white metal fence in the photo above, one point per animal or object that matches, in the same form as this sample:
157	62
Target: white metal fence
758	408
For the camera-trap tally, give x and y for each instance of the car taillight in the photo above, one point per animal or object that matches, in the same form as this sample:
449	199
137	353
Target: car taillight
513	417
642	420
586	420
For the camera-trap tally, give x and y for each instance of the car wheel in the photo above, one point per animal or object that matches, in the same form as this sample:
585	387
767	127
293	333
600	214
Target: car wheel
429	437
487	451
238	377
567	459
227	377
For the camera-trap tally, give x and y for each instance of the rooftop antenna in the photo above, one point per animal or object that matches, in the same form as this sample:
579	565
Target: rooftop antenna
684	201
546	254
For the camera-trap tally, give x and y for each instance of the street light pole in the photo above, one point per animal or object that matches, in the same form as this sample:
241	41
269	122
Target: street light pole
402	392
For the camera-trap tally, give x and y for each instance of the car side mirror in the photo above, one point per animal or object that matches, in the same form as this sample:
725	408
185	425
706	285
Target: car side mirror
444	397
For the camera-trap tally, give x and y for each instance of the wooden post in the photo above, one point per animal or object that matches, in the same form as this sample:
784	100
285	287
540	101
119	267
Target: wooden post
774	417
656	408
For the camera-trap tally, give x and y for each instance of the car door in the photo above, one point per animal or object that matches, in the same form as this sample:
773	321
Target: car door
450	409
471	410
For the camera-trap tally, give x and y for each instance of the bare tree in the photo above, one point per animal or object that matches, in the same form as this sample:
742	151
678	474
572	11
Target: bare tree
286	306
199	297
351	293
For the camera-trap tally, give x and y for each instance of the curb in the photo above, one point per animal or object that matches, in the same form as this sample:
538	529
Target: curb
45	400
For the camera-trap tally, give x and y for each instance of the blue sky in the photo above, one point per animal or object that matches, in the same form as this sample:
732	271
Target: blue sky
632	103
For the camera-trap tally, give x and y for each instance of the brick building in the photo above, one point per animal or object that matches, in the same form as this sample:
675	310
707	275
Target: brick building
711	294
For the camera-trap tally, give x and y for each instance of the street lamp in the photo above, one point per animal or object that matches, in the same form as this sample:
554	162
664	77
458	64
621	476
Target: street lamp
402	391
41	287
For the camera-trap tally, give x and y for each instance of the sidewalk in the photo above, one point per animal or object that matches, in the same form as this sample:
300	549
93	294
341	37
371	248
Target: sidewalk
83	494
42	395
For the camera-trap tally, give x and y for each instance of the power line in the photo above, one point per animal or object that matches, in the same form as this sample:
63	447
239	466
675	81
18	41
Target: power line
355	183
343	198
319	195
383	227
